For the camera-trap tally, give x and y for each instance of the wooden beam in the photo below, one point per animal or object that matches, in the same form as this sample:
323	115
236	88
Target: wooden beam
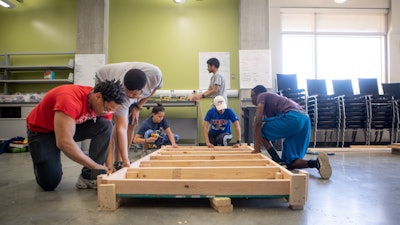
208	163
179	187
205	148
259	172
200	152
106	195
206	157
298	191
395	148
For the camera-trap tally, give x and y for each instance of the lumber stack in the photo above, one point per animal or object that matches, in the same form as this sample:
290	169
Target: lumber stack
218	173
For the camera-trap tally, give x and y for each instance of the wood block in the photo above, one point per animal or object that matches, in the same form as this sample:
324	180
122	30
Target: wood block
223	209
220	201
396	151
395	148
298	191
107	197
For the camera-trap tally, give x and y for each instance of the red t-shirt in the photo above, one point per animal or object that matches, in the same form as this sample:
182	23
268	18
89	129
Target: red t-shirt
69	99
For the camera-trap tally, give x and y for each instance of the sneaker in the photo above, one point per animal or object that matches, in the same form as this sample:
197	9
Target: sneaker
118	165
83	183
325	169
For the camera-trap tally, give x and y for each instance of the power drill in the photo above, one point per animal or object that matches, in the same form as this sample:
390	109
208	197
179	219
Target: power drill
155	135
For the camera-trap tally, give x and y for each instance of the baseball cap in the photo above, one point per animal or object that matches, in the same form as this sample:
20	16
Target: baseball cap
219	102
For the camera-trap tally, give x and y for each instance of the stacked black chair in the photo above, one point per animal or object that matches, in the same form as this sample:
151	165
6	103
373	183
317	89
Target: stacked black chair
380	110
286	81
353	108
324	110
393	90
287	86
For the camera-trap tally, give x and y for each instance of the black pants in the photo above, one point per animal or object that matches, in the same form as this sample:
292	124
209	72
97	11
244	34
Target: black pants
46	156
221	139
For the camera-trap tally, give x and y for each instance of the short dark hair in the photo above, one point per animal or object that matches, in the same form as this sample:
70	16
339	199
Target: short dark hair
135	79
111	91
213	62
158	108
259	89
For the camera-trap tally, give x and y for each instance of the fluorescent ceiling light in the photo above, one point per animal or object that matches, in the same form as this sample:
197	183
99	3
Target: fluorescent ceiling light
179	1
6	4
340	1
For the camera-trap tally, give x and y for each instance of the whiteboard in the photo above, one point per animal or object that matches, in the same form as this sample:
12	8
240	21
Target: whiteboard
224	68
254	68
86	66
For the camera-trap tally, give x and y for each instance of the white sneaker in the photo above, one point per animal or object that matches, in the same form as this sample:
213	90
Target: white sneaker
83	183
325	169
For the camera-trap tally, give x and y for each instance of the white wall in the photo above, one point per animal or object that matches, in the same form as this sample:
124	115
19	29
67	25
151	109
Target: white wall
393	67
394	43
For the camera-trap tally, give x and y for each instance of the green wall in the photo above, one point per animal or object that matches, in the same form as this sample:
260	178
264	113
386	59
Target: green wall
39	26
156	31
172	35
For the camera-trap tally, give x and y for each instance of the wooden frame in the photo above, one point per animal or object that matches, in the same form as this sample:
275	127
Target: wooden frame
198	171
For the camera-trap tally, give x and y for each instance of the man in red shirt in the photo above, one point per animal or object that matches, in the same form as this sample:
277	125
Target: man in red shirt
68	114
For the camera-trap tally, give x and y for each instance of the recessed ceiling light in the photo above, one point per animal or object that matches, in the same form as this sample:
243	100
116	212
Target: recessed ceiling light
179	1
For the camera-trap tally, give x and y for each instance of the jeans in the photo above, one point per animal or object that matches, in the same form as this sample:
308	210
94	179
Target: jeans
162	139
46	156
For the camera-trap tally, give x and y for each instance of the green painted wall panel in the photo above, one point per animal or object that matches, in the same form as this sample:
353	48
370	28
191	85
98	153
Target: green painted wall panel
171	36
38	26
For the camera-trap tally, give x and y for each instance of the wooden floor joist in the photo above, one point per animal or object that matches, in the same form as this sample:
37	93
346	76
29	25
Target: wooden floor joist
395	148
195	171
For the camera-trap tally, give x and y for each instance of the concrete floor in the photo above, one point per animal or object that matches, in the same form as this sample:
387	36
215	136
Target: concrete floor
364	189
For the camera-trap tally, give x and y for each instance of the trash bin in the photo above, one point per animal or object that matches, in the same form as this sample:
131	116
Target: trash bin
248	119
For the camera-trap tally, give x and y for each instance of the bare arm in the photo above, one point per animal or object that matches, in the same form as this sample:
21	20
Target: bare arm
206	126
171	137
257	127
121	138
64	129
144	100
238	133
211	91
207	93
134	113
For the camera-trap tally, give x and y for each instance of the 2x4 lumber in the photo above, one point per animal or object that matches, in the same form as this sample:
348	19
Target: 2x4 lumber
298	190
368	146
106	195
220	201
203	173
221	204
201	152
395	148
217	148
208	163
223	209
181	187
205	157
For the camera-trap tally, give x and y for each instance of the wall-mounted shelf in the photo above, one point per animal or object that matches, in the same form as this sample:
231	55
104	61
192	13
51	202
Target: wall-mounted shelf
19	71
29	67
42	81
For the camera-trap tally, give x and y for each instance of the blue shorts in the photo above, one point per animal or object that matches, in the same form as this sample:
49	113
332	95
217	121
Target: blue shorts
295	128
